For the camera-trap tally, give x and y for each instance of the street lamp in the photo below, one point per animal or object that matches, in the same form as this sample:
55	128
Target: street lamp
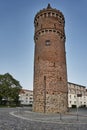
78	95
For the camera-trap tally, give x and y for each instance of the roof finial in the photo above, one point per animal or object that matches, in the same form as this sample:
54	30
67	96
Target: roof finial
48	7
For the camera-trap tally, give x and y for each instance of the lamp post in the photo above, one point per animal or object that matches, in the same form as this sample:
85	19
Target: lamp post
77	107
78	95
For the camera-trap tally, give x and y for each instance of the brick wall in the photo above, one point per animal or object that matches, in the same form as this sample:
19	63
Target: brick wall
50	74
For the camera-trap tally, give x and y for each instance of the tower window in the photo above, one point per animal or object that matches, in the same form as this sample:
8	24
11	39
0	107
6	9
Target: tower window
47	42
45	15
60	78
50	30
44	77
54	30
37	24
52	13
54	25
49	14
46	30
56	14
54	64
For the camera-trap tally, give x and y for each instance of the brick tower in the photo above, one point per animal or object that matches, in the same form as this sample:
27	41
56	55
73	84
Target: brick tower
50	73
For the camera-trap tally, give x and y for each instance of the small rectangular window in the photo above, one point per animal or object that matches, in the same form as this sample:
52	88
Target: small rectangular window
47	42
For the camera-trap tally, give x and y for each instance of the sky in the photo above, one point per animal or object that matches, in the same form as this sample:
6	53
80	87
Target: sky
17	38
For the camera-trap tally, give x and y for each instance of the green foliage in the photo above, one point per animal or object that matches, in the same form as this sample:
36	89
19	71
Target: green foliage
9	90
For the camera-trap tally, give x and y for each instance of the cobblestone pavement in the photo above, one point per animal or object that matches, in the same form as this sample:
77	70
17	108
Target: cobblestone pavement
24	119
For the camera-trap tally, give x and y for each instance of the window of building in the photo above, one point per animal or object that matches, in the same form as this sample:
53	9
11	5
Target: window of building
56	14
60	78
74	96
70	96
53	14
47	42
54	30
75	102
30	101
49	14
54	64
37	24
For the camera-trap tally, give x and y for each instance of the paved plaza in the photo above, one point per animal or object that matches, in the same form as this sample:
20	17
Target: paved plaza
24	119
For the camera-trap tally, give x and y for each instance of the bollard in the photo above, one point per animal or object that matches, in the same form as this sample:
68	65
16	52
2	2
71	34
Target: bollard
60	116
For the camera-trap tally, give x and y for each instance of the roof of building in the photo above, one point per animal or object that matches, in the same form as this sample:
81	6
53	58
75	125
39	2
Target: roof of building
77	85
25	90
49	8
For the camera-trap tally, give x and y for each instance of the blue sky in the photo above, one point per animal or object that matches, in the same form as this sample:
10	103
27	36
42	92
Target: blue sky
17	32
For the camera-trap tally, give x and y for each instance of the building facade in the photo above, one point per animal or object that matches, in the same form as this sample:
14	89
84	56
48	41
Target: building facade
50	73
26	97
77	95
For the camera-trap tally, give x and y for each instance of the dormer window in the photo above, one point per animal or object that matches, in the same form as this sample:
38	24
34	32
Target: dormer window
47	43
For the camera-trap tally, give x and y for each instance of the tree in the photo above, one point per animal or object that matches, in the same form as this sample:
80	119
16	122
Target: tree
9	89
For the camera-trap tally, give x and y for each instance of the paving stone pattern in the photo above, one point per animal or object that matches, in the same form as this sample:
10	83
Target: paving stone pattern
47	122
